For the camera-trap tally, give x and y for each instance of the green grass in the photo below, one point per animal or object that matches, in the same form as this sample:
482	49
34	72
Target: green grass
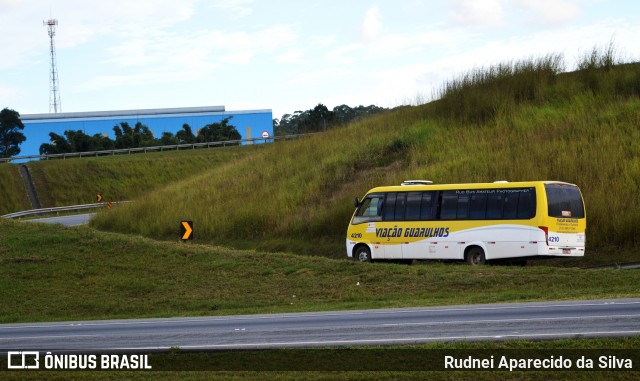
13	196
53	273
123	177
579	127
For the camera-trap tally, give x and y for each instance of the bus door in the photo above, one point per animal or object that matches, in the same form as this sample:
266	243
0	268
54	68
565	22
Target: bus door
453	209
366	219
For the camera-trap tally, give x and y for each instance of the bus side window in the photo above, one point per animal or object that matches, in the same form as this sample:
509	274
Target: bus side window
463	207
449	207
510	210
478	206
389	207
427	210
414	200
527	204
494	206
400	206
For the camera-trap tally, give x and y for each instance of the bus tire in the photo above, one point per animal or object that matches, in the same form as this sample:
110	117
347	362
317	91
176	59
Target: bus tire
475	256
362	254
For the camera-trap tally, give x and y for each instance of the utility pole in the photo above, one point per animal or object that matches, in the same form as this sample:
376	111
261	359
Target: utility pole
54	93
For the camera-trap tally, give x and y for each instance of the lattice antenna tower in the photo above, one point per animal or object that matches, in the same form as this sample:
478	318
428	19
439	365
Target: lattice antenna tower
54	92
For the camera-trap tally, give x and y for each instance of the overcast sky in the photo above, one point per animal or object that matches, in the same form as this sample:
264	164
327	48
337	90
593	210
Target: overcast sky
284	55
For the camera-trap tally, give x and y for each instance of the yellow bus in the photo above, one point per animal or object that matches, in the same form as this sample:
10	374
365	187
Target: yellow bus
468	222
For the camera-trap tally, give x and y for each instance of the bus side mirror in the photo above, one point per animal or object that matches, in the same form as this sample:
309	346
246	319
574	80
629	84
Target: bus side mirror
356	203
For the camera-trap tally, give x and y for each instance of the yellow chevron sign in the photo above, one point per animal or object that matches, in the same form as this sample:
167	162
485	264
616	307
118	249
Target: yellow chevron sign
99	197
186	230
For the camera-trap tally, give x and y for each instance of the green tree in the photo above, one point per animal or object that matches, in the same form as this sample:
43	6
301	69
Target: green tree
320	118
124	135
101	142
75	141
168	139
59	144
218	132
186	136
10	132
79	141
138	136
143	136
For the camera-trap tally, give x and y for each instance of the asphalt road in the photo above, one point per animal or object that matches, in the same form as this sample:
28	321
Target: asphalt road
550	320
73	220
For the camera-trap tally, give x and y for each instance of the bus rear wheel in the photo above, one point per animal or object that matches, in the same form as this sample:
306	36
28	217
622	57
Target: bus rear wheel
475	256
362	254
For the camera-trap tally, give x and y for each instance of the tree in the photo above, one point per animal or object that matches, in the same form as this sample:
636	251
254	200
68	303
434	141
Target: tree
186	136
143	136
124	138
10	135
138	136
76	141
102	142
58	145
218	132
320	118
79	141
168	139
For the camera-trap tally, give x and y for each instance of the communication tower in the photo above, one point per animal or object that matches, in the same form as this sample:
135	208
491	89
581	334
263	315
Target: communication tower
54	93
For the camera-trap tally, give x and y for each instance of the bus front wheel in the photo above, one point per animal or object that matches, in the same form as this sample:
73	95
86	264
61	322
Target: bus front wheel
475	256
363	254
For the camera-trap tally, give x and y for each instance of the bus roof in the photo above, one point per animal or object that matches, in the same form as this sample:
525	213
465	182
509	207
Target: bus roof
497	184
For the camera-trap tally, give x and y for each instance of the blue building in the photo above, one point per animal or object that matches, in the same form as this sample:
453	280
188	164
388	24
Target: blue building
249	123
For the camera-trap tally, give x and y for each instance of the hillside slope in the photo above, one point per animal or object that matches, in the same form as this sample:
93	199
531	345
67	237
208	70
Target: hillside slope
526	121
13	196
117	178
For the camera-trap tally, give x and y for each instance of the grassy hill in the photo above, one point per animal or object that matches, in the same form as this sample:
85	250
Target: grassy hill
12	194
117	178
519	121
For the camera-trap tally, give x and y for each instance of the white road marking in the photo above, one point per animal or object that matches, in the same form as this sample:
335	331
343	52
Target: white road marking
379	341
44	337
307	315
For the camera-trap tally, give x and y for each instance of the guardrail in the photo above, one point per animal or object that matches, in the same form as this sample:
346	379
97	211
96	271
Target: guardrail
173	147
58	209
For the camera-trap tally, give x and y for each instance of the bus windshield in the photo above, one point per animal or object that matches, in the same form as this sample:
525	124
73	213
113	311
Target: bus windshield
370	210
564	201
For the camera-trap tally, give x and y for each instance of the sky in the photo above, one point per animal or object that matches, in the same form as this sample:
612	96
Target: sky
285	55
